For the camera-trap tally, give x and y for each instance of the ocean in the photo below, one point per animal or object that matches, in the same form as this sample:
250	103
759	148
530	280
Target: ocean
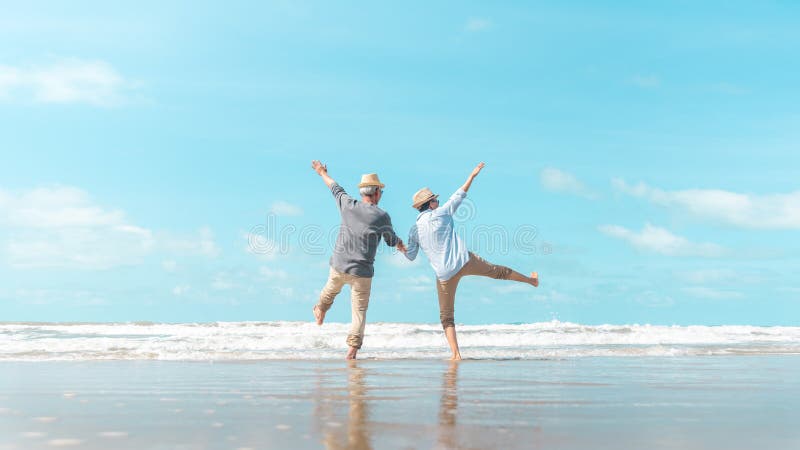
247	341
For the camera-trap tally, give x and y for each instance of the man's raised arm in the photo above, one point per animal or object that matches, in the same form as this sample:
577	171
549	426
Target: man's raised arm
322	170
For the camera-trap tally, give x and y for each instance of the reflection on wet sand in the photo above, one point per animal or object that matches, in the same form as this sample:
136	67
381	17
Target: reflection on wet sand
448	408
329	412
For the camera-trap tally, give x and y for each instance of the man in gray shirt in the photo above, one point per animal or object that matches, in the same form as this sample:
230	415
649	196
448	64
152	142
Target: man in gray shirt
362	228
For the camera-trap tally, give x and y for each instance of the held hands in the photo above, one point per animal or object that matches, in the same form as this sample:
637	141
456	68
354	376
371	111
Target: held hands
319	167
401	247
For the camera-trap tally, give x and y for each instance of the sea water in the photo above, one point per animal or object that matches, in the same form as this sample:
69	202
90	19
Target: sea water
232	341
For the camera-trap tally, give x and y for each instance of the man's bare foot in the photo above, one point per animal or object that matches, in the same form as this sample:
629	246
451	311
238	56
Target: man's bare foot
319	314
535	277
351	354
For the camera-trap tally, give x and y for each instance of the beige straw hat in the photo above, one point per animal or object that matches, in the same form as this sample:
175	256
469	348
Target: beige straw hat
423	195
371	179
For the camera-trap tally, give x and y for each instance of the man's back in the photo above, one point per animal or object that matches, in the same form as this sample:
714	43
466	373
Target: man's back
363	225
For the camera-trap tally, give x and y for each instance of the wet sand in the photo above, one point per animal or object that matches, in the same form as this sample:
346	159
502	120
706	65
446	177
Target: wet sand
736	402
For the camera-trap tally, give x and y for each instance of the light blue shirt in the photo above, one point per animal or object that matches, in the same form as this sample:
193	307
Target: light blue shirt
435	233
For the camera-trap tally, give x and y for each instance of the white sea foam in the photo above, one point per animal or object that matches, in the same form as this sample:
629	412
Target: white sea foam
305	340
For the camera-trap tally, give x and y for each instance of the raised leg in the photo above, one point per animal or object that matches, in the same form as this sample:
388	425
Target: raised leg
329	292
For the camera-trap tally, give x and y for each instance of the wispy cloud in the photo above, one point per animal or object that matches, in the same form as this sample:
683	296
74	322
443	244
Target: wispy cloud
60	226
704	276
513	288
729	89
772	211
269	274
653	299
198	243
712	294
646	81
476	24
169	265
261	246
556	180
63	227
66	81
420	283
223	281
661	241
281	208
180	290
77	298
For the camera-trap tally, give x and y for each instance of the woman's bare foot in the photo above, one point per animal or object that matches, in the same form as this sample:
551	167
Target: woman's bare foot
319	314
351	354
535	277
456	357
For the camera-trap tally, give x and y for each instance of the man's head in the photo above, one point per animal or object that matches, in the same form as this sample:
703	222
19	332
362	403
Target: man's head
424	200
371	188
371	194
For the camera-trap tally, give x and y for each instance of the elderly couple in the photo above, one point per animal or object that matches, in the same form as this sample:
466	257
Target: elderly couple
364	225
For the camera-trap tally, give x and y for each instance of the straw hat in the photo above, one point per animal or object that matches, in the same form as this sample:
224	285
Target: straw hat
370	179
423	195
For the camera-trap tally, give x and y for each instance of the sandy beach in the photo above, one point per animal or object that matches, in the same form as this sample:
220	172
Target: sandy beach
730	402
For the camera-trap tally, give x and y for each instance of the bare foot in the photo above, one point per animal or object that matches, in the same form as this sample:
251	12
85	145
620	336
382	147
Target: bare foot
351	354
456	357
535	277
319	314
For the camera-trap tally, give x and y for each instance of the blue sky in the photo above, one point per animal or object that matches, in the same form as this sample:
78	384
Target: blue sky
652	147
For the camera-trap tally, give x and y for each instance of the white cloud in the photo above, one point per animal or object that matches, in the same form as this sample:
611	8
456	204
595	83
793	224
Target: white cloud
285	292
180	290
62	227
646	81
551	295
712	294
420	283
266	273
771	211
59	296
261	246
281	208
704	276
477	24
729	89
559	181
55	207
660	240
199	243
66	81
169	265
654	299
222	282
513	288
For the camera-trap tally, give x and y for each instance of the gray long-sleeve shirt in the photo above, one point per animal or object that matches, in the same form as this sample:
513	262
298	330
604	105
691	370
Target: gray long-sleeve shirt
363	225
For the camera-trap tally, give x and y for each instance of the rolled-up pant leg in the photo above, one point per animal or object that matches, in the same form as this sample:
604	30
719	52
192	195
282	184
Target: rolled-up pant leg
331	289
480	267
360	288
446	290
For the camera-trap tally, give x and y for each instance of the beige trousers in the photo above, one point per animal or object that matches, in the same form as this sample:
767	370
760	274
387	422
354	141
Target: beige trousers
359	301
447	288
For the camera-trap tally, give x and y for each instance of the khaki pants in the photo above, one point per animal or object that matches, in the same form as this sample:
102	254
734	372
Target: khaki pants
447	289
359	301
